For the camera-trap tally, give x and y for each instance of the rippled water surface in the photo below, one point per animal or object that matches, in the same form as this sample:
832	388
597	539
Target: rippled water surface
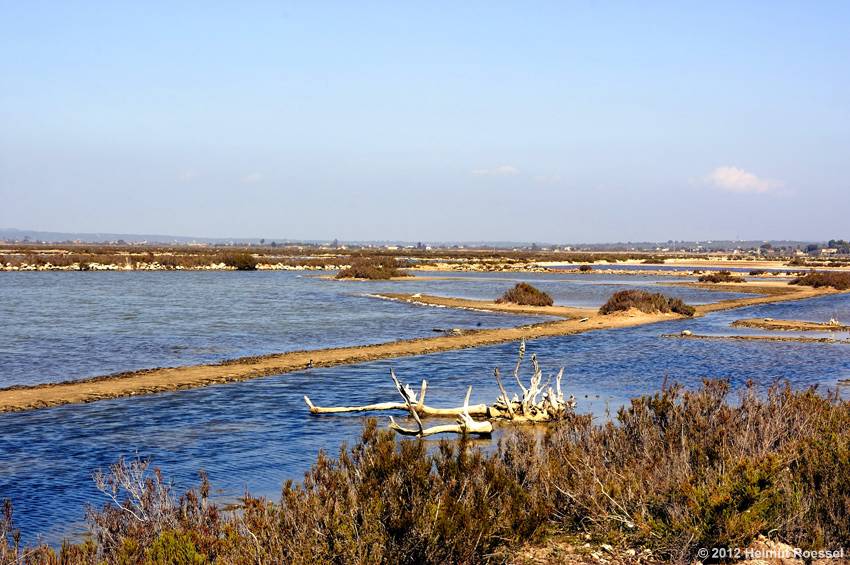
258	433
57	326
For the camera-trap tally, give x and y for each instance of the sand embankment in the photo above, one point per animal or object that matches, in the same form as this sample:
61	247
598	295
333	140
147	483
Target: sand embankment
573	321
766	292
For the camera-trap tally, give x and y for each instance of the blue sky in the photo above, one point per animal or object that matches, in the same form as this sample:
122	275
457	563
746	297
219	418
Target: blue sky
427	121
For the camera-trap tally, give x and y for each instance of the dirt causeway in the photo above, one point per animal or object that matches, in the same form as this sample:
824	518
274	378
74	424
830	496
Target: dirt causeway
571	321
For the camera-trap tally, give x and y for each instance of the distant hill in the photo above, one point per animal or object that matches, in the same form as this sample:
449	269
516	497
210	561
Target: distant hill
18	235
11	234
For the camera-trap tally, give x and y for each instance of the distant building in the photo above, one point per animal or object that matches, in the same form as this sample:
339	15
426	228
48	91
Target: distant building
829	251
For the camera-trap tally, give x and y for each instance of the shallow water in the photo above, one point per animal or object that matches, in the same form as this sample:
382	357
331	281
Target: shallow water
57	326
590	290
62	326
256	434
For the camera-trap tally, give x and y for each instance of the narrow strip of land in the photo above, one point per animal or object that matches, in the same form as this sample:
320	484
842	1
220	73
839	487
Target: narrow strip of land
765	293
760	338
790	325
572	321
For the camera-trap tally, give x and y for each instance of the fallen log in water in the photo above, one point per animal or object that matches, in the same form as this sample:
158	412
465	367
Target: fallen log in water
537	403
419	405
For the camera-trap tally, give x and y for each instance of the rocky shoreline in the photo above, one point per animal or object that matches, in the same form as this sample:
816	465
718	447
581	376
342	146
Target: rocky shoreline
160	267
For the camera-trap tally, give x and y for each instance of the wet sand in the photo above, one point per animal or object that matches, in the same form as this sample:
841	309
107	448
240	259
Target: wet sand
789	325
766	292
573	321
760	338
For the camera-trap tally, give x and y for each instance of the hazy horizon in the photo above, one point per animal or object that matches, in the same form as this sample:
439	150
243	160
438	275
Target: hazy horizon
438	122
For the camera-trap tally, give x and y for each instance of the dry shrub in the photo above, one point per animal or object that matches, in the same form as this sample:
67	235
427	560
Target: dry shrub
721	277
585	268
240	261
649	302
372	268
683	470
674	472
525	295
838	281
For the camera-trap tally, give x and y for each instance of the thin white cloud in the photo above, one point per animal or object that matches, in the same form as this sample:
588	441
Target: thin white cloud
733	179
500	171
252	178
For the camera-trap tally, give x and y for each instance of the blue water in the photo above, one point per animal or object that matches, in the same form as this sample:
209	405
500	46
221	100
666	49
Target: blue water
62	326
57	326
256	434
590	290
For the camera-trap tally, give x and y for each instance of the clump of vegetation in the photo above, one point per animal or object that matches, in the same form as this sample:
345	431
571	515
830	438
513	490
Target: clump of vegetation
676	471
525	295
372	268
585	268
240	261
721	277
757	272
649	302
838	281
653	261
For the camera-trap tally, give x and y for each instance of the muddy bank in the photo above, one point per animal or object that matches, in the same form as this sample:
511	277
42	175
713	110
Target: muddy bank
759	338
572	321
484	305
790	325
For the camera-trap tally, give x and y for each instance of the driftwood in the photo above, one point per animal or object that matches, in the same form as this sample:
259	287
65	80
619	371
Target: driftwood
464	425
538	402
418	403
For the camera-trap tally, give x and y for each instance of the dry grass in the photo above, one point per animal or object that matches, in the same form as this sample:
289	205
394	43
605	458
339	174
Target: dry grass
187	255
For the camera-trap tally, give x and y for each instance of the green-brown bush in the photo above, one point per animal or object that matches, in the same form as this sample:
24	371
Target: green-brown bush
838	281
372	268
675	472
721	277
240	261
525	295
649	302
585	268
